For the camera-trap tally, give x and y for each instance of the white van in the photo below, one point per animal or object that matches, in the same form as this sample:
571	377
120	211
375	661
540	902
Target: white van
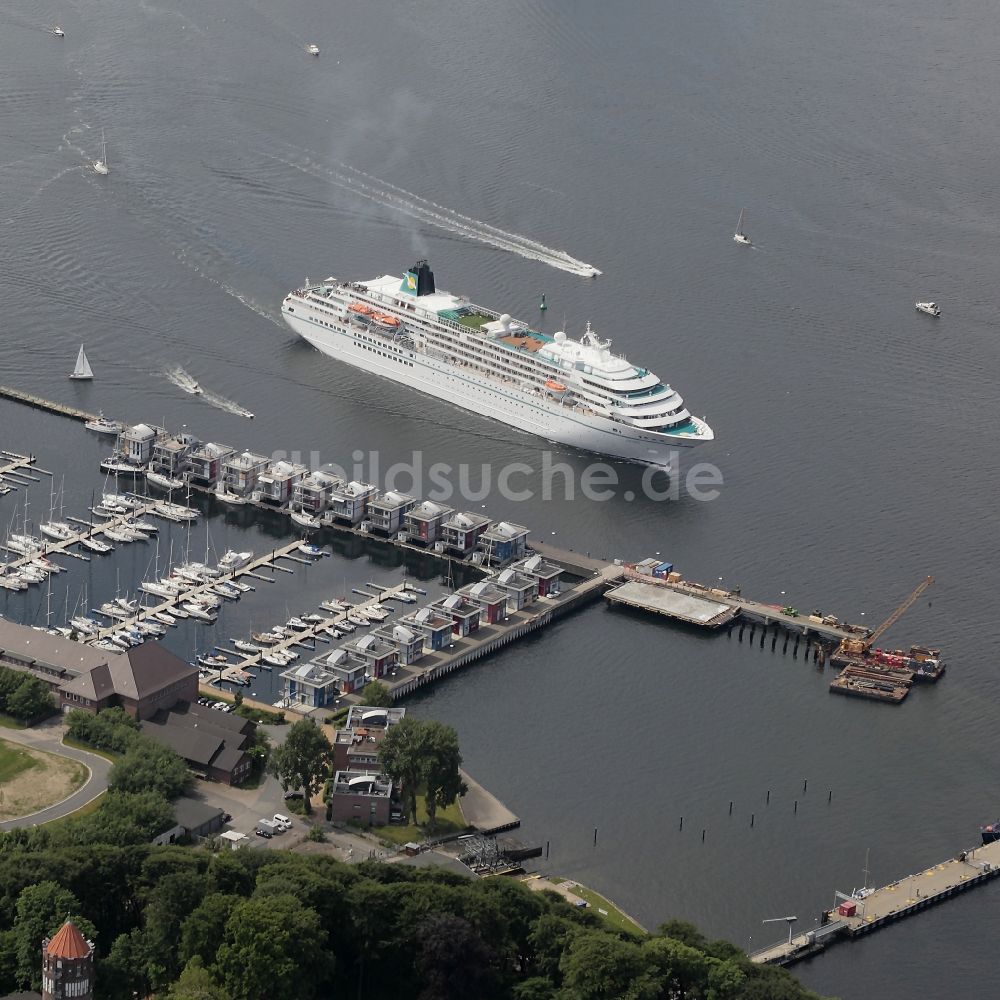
269	825
282	822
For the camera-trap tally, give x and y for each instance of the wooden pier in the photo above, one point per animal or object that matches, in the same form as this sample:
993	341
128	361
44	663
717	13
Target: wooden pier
61	409
856	916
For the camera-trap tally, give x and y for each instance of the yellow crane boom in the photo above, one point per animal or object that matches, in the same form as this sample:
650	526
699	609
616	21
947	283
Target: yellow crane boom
858	647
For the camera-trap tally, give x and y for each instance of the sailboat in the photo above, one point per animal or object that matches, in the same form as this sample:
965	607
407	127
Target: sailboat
101	165
740	236
82	369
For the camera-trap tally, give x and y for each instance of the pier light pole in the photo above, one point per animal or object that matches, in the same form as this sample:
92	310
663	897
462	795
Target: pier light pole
778	920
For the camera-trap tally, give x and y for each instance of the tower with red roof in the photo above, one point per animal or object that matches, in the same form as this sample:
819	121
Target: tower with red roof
67	965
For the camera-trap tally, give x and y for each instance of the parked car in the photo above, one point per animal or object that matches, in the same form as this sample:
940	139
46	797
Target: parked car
282	821
292	795
261	832
227	817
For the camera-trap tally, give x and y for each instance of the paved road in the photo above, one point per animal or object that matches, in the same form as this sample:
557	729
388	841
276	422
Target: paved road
48	737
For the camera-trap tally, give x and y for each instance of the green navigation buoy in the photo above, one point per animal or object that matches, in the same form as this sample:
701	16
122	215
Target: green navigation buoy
543	306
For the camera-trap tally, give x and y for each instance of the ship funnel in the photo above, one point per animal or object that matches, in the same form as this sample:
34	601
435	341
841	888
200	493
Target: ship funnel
419	279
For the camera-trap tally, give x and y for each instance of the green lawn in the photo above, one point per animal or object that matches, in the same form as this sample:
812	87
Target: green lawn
449	820
14	760
612	915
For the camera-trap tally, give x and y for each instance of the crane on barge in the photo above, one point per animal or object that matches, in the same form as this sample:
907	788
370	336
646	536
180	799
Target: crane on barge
860	646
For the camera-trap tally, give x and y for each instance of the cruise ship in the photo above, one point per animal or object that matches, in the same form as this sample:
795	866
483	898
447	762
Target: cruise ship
574	392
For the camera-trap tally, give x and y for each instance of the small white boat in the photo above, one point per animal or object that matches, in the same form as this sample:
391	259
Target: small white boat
58	32
931	308
158	589
101	425
740	236
164	617
82	369
25	544
174	511
247	647
225	590
308	549
312	49
120	467
164	482
233	499
199	611
308	521
101	165
59	530
96	545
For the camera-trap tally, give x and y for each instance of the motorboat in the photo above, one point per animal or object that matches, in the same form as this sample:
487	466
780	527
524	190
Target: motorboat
120	535
227	591
101	165
312	49
146	527
151	628
740	236
265	638
164	482
297	623
233	561
179	612
164	617
101	425
85	626
58	32
111	610
213	660
346	626
931	308
358	619
208	600
243	588
313	619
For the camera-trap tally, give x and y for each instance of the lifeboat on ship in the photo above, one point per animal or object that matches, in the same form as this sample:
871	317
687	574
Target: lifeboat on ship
554	388
385	322
361	309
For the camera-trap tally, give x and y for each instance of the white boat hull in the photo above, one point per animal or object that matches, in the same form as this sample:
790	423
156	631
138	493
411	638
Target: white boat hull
517	407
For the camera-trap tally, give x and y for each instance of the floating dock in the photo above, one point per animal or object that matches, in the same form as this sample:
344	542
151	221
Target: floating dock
683	607
870	910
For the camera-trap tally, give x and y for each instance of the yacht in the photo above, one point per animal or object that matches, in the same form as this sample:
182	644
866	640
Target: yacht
312	49
101	425
60	531
163	481
96	545
25	544
931	308
740	236
308	521
82	369
101	165
233	561
227	496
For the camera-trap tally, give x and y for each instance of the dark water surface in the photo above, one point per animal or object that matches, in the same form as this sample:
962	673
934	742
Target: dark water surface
856	437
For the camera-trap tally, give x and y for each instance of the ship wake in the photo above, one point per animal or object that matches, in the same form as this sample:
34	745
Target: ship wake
382	192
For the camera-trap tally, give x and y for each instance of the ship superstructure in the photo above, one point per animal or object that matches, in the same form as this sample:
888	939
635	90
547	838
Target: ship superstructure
575	392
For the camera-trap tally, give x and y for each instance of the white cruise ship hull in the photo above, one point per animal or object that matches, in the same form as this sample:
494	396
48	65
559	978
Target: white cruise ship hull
487	396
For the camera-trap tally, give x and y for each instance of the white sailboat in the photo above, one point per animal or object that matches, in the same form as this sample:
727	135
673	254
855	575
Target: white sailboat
740	236
101	165
82	369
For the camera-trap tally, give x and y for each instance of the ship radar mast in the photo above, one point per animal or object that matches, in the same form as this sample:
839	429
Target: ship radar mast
592	340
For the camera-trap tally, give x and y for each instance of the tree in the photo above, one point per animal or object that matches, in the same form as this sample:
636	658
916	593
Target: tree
150	766
600	967
303	760
401	755
269	946
238	698
30	700
196	983
376	694
454	961
423	754
203	930
442	779
41	910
